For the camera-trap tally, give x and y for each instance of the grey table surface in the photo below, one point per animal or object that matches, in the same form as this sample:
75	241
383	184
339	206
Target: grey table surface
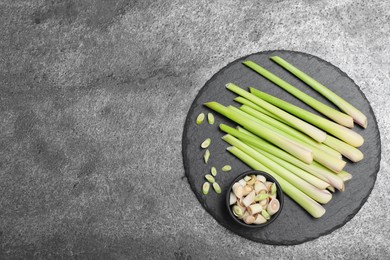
93	99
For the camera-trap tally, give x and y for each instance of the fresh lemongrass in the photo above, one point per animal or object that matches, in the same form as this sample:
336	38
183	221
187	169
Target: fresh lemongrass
335	115
210	118
318	195
313	180
339	131
335	144
206	143
345	149
200	118
289	130
315	168
249	103
206	156
341	103
217	188
307	203
345	176
297	123
226	168
205	188
329	161
280	141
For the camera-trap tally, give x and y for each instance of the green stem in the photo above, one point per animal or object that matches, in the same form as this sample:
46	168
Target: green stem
335	115
341	103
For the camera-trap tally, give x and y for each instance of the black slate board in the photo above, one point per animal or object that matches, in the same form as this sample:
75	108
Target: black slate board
294	225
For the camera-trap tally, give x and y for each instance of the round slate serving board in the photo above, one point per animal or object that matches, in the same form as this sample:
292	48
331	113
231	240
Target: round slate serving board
293	225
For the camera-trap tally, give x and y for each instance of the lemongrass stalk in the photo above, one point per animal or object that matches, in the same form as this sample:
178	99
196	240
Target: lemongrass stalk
335	144
249	103
297	123
311	206
335	115
272	128
315	168
345	176
339	131
321	196
288	129
280	141
313	180
345	149
333	163
341	103
294	134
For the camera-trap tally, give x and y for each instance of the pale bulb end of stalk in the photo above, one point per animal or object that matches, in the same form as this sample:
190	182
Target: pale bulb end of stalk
362	123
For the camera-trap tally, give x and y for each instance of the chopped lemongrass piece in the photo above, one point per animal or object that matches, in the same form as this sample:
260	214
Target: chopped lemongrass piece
237	211
261	196
297	123
247	189
206	156
335	115
265	214
280	141
209	178
318	195
210	118
226	168
341	103
205	188
249	199
206	143
273	206
213	171
232	198
339	131
331	162
293	133
259	219
200	118
311	206
250	219
259	186
254	208
217	188
273	189
315	168
238	190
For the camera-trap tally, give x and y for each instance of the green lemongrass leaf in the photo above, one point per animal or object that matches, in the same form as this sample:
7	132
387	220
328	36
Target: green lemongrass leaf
280	141
335	115
341	103
331	162
297	123
339	131
318	195
307	203
315	168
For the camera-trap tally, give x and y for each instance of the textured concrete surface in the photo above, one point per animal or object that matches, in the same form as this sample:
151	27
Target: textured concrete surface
94	95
